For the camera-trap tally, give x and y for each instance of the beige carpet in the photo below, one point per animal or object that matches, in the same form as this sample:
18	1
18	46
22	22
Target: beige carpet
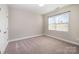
41	45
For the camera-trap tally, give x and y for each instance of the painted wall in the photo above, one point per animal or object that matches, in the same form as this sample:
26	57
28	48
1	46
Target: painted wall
23	23
3	27
73	33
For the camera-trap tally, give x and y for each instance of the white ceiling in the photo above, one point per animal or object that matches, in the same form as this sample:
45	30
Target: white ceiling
35	8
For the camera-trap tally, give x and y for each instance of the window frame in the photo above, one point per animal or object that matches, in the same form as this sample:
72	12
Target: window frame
61	23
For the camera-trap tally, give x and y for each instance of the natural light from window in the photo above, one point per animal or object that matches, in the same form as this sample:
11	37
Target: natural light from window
59	22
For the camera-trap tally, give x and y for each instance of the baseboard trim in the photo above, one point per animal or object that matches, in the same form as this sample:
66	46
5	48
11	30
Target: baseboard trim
22	38
72	42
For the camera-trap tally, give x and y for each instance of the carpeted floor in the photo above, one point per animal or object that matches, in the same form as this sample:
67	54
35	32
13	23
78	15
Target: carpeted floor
41	45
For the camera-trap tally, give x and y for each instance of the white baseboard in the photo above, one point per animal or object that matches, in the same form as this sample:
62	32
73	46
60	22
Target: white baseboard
69	41
24	38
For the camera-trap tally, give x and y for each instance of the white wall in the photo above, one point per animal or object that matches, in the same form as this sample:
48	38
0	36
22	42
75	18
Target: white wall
73	33
3	27
23	23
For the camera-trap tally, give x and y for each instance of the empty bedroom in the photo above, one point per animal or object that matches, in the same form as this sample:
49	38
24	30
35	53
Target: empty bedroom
39	28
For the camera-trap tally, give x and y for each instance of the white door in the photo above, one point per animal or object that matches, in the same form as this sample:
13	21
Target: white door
3	27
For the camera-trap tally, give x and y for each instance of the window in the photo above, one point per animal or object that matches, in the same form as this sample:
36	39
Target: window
59	22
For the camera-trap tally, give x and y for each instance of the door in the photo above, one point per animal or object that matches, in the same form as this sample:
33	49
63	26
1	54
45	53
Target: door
3	27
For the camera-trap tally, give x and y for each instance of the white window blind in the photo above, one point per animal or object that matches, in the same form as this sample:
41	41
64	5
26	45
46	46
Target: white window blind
59	22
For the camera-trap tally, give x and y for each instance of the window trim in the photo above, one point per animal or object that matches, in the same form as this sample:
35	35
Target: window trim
59	13
55	26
